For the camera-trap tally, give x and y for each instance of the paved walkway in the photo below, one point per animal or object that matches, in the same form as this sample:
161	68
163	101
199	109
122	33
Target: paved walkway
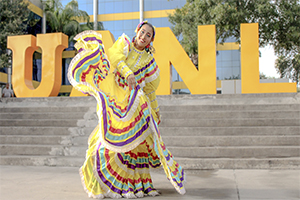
63	183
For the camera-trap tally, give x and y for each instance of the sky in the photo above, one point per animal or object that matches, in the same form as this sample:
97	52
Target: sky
267	62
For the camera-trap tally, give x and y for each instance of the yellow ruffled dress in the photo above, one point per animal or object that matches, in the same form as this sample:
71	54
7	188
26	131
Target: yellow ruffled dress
127	141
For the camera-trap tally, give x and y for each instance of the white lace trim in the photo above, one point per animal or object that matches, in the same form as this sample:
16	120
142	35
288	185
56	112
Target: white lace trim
126	45
127	73
138	51
129	195
132	110
170	162
142	63
129	147
122	67
95	131
153	193
128	117
150	93
90	194
153	77
130	171
153	100
88	32
156	108
149	79
140	194
137	62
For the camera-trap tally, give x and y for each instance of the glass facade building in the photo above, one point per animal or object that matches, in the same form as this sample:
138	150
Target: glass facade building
122	16
126	13
228	63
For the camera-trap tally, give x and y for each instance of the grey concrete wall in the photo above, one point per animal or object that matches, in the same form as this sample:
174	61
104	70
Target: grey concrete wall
234	86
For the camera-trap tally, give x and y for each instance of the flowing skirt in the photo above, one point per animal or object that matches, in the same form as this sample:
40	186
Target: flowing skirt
127	141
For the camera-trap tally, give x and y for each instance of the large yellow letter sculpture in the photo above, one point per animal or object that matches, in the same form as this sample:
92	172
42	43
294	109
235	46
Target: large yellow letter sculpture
23	48
250	65
169	50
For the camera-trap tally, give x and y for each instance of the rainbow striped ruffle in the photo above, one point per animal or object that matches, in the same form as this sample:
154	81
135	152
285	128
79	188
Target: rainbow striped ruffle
106	173
126	141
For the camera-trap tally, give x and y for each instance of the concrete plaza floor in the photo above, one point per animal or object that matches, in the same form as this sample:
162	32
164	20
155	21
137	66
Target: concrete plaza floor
63	183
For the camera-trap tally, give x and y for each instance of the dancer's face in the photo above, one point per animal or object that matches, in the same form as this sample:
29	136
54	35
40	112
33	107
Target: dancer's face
144	36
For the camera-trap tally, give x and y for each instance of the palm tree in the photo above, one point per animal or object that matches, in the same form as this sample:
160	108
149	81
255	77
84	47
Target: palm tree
64	19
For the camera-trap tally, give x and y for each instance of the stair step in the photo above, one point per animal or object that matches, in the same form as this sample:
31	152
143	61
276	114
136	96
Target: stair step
228	122
229	114
50	101
27	149
45	130
50	150
40	115
238	163
44	109
35	140
229	99
225	141
218	131
236	152
36	160
40	122
243	107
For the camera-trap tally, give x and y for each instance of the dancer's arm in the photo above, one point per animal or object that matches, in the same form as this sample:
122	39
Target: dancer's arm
150	89
118	53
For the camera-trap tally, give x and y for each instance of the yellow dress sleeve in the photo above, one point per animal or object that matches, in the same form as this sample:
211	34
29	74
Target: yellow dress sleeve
118	53
150	89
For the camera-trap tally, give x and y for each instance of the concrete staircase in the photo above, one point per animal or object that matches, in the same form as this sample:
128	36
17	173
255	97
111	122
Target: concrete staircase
44	131
255	131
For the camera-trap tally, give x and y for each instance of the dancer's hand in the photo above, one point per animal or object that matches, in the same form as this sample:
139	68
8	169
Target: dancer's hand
158	115
131	81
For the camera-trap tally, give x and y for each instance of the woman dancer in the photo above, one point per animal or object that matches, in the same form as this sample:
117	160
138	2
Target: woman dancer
127	140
